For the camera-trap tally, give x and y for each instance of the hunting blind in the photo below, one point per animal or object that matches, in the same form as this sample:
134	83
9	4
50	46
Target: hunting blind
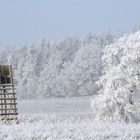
8	109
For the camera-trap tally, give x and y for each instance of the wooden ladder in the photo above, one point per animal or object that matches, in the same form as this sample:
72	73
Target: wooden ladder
8	104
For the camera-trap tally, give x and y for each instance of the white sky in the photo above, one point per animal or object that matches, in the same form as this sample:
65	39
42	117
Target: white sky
26	21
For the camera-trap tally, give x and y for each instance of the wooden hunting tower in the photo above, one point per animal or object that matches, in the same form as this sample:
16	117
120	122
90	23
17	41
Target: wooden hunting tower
8	110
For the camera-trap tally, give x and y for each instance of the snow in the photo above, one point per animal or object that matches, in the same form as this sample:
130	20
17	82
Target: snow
66	70
63	119
67	127
55	105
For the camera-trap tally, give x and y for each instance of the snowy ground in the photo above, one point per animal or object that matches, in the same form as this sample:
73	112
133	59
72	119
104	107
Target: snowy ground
63	119
55	105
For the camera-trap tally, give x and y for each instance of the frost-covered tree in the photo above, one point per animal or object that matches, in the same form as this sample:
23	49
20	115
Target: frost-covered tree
79	77
60	54
120	81
69	67
100	39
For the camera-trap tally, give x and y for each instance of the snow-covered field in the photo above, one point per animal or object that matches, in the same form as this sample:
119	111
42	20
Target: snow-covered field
55	105
64	119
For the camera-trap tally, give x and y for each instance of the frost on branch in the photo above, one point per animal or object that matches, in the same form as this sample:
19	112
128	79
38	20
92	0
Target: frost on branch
65	68
120	81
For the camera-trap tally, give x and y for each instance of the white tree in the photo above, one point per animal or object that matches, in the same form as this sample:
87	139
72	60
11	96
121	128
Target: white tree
120	80
79	78
66	68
